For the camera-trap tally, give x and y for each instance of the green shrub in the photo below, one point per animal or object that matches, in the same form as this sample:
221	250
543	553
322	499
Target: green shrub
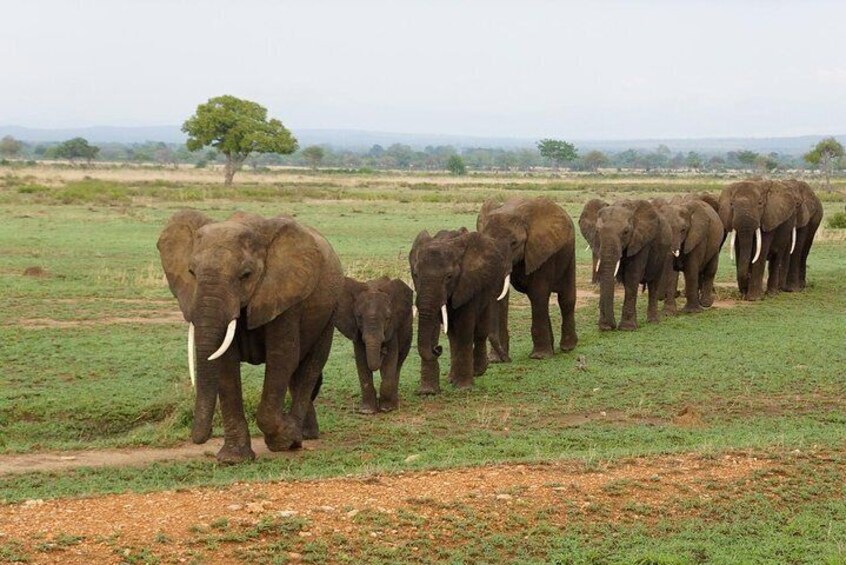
94	191
837	220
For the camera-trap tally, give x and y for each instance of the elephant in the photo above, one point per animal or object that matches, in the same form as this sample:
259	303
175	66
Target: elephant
696	238
809	214
760	216
377	317
587	225
632	242
542	241
255	290
457	275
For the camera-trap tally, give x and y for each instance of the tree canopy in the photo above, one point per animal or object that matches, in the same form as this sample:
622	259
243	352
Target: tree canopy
76	148
557	150
236	128
10	147
824	155
456	166
314	155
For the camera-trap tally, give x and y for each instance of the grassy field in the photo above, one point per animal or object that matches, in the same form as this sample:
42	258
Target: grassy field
93	357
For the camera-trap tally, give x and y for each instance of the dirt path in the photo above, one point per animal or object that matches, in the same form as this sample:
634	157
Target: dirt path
354	515
129	457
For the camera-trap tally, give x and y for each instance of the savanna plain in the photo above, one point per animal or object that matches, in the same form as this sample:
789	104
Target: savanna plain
709	438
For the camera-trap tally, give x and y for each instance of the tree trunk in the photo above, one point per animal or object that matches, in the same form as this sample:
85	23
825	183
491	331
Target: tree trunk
229	171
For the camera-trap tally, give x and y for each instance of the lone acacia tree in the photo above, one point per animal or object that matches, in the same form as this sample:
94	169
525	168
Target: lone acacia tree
823	155
236	128
77	148
557	150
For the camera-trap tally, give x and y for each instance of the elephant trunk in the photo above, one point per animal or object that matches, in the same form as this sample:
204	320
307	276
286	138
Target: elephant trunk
609	261
373	336
428	330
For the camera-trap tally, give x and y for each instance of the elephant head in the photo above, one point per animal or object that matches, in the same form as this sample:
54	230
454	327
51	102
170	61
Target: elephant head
690	223
230	277
534	229
587	225
622	230
749	208
450	269
373	310
808	204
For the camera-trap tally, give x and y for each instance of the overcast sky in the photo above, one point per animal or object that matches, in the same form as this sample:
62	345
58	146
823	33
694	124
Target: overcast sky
578	70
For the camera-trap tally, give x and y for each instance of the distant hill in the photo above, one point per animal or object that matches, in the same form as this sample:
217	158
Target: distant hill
363	139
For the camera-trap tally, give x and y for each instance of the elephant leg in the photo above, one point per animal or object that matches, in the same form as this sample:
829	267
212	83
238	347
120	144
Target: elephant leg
706	289
755	288
691	287
388	388
654	289
461	367
567	305
305	380
631	282
236	434
774	275
539	293
453	353
670	289
369	404
794	270
806	250
280	430
480	341
499	337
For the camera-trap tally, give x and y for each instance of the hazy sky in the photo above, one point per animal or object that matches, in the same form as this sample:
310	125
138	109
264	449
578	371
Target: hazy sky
576	70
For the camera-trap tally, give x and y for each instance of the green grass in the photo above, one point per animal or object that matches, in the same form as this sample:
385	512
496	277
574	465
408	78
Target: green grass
767	376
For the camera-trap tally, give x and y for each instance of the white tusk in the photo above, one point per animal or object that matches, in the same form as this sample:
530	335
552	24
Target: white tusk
617	268
757	246
587	248
444	320
731	244
676	253
793	241
192	356
504	287
414	311
598	262
227	340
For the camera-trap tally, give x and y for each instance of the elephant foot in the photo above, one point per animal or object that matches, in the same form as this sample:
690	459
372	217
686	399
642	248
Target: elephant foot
706	301
606	326
693	309
388	405
541	354
670	311
568	343
365	408
628	325
463	383
427	389
494	357
480	368
234	454
287	435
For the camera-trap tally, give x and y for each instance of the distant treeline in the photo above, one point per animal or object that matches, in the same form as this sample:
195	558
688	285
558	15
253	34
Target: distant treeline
432	158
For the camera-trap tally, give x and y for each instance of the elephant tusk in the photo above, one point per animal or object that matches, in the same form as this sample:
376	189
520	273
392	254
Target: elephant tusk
504	287
444	319
587	248
793	241
676	253
414	311
227	340
757	246
192	356
598	262
731	244
617	268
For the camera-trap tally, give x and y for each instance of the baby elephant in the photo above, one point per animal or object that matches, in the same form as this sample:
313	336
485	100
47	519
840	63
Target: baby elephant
377	317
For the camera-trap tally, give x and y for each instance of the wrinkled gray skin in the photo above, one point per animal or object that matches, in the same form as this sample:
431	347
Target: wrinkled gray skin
769	205
377	317
633	233
809	214
280	280
587	226
696	238
542	240
465	271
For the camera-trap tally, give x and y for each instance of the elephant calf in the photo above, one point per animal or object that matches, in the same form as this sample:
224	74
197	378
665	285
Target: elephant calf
377	317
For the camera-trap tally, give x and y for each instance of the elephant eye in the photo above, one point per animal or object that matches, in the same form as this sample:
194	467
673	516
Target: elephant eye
191	272
246	274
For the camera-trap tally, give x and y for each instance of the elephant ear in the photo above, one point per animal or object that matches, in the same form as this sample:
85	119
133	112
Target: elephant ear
291	270
587	219
645	225
402	298
484	263
779	207
176	246
345	313
710	200
699	222
421	239
724	207
548	229
489	206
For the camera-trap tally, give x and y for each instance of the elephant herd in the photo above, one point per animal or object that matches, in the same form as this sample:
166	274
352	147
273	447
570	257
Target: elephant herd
272	291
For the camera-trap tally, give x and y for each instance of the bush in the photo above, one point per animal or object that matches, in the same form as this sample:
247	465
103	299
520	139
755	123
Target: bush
837	221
